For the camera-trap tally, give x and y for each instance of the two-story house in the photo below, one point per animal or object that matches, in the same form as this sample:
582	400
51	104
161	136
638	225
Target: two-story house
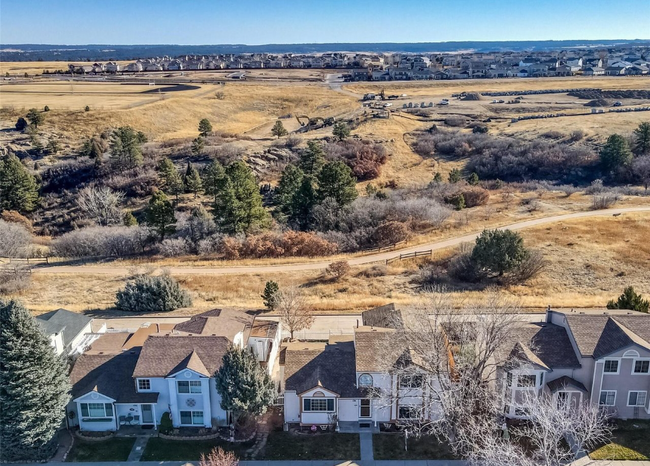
70	333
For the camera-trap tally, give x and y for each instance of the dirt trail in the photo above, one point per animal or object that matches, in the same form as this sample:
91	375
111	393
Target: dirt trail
320	265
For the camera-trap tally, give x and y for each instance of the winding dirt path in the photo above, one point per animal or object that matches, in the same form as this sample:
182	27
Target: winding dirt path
320	265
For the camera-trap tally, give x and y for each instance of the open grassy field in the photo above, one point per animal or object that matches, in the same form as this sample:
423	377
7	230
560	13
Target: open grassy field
577	274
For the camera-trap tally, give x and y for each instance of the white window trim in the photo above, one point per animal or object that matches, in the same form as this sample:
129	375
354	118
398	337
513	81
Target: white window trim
189	387
618	366
637	392
634	364
608	391
192	416
369	416
413	409
311	398
527	387
137	382
90	416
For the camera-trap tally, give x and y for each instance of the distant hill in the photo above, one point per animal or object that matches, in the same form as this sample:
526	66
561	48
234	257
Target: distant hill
49	52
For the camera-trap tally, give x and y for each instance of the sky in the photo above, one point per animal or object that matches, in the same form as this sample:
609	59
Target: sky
252	22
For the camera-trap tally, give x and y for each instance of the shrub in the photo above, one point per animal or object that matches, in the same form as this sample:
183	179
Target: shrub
391	233
475	196
458	201
152	294
174	247
99	241
166	425
16	240
364	158
12	216
528	268
87	109
455	121
462	267
13	280
338	269
498	251
604	200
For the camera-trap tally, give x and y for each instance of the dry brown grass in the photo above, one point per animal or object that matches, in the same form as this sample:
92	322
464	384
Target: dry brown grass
19	68
589	262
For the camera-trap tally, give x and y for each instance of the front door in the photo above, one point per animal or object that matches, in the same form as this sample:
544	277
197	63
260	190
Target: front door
147	414
364	408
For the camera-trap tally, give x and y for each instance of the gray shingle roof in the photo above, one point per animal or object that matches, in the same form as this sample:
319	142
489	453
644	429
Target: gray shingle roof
548	342
62	320
600	335
328	365
165	355
110	375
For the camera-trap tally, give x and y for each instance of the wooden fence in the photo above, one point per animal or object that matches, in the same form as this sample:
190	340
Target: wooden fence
409	255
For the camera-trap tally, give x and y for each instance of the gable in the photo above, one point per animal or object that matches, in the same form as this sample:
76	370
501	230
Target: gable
94	397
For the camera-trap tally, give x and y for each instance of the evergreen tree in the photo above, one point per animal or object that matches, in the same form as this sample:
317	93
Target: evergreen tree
642	139
18	188
192	180
126	147
205	127
34	388
630	299
437	178
214	179
337	181
198	145
454	175
129	220
473	179
499	251
21	124
278	130
152	294
341	131
300	212
170	179
244	386
312	159
35	117
270	295
289	184
160	214
615	154
238	206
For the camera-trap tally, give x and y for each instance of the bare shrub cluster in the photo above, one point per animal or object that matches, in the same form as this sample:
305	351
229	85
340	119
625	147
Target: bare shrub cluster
15	240
363	157
102	242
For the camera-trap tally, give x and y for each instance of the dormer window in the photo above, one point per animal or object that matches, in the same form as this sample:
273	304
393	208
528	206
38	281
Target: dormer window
365	380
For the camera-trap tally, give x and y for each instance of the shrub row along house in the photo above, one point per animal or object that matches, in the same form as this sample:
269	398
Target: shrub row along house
134	378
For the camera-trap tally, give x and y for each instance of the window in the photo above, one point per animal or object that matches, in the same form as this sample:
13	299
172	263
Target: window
323	405
522	412
636	398
525	381
144	384
509	379
407	412
562	400
607	398
189	386
192	418
96	410
641	367
410	381
611	366
365	380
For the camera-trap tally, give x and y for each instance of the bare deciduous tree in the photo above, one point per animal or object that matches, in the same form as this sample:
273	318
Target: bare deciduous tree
16	240
219	457
101	205
294	312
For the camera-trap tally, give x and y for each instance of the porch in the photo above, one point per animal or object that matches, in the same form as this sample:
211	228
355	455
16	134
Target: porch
357	427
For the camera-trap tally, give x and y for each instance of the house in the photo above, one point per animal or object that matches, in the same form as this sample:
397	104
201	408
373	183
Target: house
593	71
70	333
112	67
599	356
135	378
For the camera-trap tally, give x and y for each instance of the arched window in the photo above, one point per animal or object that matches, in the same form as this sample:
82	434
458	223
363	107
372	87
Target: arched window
365	380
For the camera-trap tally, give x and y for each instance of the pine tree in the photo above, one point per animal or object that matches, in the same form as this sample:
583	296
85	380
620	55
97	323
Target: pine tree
35	117
126	147
160	214
300	211
214	179
170	179
630	299
192	180
21	124
615	154
312	159
437	178
205	127
34	388
454	175
270	295
18	188
341	131
198	145
473	179
244	386
289	184
238	206
129	219
278	130
337	181
642	136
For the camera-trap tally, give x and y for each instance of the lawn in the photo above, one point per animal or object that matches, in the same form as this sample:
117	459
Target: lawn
115	449
159	449
320	446
391	447
629	442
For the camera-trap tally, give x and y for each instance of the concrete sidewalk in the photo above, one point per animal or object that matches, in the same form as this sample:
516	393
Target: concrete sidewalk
267	463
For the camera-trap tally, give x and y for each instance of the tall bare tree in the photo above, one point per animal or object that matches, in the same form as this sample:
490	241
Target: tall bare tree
101	204
295	314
